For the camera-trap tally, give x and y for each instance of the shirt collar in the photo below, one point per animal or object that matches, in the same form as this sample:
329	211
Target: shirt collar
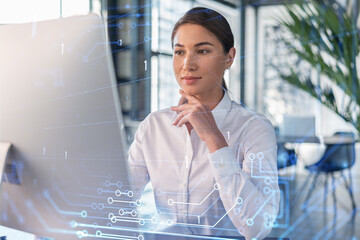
221	110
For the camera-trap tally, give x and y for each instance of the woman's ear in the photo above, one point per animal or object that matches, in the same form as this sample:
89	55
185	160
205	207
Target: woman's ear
230	57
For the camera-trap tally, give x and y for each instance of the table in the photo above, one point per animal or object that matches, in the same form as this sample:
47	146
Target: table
11	233
325	140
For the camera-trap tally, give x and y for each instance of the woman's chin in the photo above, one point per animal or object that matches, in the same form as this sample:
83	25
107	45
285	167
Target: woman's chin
191	91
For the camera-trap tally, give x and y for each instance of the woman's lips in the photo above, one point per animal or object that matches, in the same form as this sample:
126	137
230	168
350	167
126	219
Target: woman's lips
190	80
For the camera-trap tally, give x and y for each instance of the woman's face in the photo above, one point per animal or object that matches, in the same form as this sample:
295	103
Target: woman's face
199	61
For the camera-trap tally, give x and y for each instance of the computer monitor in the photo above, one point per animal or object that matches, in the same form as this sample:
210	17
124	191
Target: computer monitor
66	173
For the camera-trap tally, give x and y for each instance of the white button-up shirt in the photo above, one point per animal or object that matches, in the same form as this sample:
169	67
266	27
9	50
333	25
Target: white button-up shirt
231	191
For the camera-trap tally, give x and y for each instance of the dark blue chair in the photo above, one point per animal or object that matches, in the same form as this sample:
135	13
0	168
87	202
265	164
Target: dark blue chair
336	158
285	157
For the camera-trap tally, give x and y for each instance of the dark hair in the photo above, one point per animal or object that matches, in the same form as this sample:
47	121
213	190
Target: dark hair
214	22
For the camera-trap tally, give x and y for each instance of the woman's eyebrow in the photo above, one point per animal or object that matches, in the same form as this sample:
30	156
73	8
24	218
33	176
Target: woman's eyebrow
203	43
196	45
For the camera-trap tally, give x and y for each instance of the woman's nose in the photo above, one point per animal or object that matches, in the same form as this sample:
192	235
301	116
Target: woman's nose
190	63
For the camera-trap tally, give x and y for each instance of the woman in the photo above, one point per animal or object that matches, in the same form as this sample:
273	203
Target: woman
211	162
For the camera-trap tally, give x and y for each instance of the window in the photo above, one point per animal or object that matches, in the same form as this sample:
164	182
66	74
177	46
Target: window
23	11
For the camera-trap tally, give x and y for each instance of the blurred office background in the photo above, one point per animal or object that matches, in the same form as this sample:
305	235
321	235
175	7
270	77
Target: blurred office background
139	32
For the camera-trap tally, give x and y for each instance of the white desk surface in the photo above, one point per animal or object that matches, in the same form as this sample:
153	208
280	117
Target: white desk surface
327	140
15	234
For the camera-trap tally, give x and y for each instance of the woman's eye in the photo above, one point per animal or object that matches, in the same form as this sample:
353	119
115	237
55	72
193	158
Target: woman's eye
178	52
203	51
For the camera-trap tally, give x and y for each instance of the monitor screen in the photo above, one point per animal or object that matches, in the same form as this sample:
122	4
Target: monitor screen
66	174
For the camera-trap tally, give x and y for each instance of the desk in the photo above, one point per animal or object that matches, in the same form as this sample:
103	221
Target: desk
339	140
169	236
326	140
15	234
284	153
286	139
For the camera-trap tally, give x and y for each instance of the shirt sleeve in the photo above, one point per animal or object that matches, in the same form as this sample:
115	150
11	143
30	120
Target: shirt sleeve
250	192
139	175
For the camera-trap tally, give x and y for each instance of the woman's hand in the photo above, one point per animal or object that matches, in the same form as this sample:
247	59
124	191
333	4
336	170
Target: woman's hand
201	119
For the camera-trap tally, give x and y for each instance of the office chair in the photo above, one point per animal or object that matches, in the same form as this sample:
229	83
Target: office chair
285	157
336	158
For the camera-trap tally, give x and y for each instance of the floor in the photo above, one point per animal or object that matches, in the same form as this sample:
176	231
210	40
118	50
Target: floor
318	220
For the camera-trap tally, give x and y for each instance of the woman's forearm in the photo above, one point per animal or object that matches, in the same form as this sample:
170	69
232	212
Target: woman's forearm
215	142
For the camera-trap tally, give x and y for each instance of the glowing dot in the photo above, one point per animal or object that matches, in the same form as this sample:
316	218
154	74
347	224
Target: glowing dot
133	213
107	183
117	193
121	212
84	214
73	224
101	206
267	190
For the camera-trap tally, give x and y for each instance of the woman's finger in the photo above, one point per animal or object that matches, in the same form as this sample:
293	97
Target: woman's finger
182	100
180	108
184	119
189	97
179	117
